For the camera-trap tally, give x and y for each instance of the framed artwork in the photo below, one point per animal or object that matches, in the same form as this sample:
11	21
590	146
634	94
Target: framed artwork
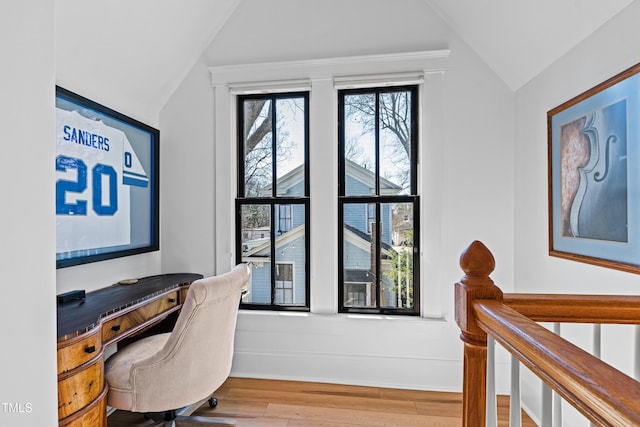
107	183
594	175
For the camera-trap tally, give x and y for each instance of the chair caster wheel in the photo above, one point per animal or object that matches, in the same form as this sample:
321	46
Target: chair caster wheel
213	402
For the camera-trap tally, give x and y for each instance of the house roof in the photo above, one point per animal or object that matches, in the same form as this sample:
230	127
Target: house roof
358	276
281	240
363	239
354	170
351	235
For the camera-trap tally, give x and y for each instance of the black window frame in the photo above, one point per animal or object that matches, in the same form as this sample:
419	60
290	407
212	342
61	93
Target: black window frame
378	199
273	201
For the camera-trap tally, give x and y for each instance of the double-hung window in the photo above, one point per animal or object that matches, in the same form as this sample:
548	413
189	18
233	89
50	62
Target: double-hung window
272	204
378	200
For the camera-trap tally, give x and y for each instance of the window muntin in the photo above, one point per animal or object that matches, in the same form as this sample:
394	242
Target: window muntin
378	164
272	206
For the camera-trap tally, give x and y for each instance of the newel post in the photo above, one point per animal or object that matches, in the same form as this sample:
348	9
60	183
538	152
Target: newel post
478	263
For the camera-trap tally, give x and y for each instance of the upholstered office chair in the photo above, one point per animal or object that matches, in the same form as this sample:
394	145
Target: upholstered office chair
182	368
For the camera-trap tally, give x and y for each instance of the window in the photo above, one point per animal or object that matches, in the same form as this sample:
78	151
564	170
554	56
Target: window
284	284
284	218
357	294
378	177
420	74
272	204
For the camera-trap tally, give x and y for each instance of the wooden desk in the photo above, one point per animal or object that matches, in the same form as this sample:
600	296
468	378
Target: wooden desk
104	317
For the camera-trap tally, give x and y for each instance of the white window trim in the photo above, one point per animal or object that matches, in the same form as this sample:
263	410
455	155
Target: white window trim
323	78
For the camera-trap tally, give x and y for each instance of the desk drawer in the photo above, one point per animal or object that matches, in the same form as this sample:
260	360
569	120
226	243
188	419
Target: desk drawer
74	355
124	323
77	391
93	415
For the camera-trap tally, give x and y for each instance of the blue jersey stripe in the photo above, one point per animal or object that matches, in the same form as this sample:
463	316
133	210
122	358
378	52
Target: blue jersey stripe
135	182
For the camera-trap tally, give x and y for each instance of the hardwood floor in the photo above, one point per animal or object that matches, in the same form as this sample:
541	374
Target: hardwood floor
268	403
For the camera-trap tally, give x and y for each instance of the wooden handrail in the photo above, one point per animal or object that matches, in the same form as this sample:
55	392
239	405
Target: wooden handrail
603	394
610	309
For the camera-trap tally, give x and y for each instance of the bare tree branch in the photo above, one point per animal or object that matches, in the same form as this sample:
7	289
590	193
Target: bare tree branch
252	115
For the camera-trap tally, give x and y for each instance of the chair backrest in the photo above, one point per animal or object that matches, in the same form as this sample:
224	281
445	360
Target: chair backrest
197	357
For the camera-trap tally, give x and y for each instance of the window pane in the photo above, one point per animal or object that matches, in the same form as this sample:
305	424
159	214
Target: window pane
256	248
395	142
397	258
290	259
358	247
359	144
290	125
258	136
284	284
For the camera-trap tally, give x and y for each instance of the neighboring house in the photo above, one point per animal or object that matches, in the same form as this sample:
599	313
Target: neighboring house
289	225
402	226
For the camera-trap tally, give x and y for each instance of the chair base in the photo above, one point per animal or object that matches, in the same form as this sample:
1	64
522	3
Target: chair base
183	415
195	419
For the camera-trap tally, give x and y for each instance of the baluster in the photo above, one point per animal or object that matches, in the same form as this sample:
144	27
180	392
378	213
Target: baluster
515	409
492	406
548	396
551	401
557	401
478	263
597	347
636	354
547	406
597	340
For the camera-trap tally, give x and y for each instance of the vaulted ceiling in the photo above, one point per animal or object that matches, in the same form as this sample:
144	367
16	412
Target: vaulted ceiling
144	48
520	38
139	49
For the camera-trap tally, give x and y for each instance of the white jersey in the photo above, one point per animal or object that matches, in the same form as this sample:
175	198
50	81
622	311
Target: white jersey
95	165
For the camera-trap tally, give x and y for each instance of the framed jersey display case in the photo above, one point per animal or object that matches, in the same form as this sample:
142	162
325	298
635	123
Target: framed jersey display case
106	182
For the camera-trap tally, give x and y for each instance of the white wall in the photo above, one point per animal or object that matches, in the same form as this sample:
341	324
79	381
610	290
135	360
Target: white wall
77	78
28	384
605	53
105	273
186	179
468	191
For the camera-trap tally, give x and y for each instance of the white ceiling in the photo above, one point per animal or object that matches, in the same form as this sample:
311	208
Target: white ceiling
520	38
135	52
140	50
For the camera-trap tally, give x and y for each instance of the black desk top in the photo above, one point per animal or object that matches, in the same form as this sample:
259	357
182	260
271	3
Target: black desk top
77	317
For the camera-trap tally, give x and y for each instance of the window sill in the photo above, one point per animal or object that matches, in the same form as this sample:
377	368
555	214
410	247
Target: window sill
339	316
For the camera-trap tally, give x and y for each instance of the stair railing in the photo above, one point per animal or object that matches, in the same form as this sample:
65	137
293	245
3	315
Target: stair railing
603	394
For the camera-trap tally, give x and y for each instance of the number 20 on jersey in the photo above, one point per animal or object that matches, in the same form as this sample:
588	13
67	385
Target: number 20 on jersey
102	181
